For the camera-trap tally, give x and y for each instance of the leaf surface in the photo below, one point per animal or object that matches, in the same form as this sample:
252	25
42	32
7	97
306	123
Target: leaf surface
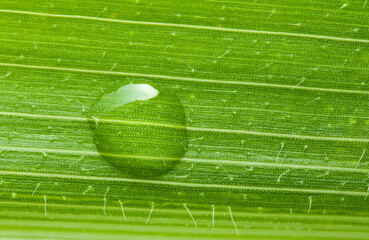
274	95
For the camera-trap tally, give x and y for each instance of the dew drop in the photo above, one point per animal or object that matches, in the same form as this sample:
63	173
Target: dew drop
139	130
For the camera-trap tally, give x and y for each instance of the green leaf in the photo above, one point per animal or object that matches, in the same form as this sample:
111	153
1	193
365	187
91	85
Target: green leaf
267	99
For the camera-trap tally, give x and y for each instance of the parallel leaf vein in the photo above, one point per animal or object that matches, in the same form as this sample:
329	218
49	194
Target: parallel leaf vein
190	185
183	78
190	26
199	129
192	160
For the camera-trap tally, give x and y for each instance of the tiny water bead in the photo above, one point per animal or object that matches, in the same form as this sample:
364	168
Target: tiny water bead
139	129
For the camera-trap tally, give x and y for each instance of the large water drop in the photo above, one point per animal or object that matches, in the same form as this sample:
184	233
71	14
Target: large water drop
139	129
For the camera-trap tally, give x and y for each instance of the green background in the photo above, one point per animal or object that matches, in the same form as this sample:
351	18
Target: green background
275	98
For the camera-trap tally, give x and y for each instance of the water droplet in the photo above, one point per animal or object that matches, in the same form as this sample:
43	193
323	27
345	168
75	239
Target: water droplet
139	130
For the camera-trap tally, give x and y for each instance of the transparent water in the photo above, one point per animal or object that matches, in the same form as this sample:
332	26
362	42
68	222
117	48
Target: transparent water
139	129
